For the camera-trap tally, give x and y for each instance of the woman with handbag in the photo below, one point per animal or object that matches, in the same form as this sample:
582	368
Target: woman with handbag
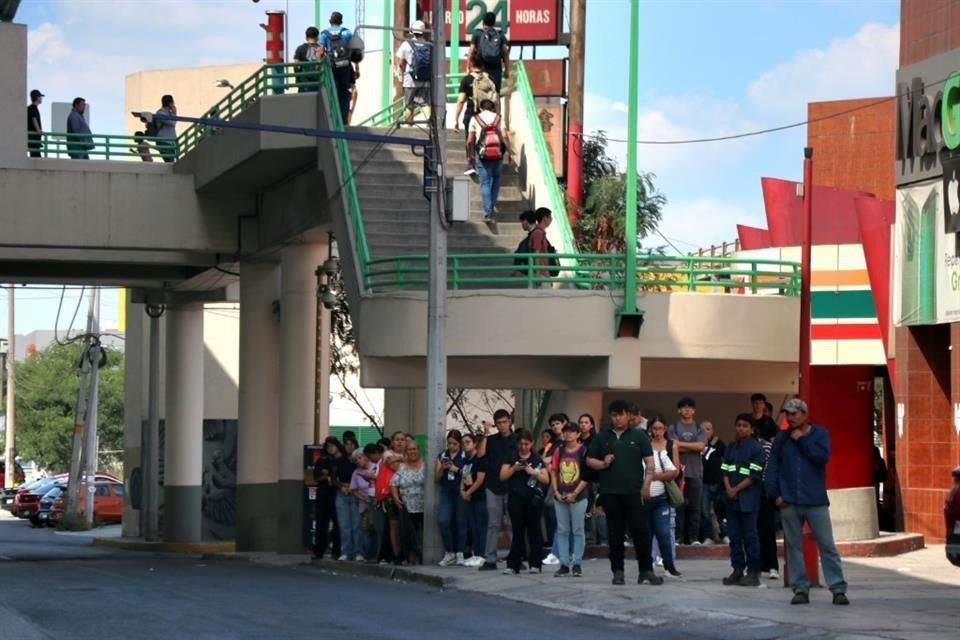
526	477
664	492
407	488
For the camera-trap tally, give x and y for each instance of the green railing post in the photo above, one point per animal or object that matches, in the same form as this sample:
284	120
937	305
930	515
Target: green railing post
386	81
753	277
693	279
455	263
454	37
633	96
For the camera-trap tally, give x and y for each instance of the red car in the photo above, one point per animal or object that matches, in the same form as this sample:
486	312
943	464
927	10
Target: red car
107	502
27	501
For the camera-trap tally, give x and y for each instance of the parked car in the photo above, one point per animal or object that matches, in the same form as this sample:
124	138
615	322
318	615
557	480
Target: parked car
42	516
27	500
107	503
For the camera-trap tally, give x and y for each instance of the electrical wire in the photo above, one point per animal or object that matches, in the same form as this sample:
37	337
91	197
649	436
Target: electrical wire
56	322
761	132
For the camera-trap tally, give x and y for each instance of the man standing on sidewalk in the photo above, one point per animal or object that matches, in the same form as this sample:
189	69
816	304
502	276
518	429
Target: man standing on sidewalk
796	476
494	449
712	482
692	440
624	458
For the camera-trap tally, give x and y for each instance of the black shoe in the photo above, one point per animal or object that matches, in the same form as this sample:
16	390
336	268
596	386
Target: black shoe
577	572
650	577
672	571
749	580
618	578
562	572
487	566
733	578
841	599
801	597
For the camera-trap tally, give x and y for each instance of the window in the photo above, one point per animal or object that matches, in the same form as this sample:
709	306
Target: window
117	490
103	490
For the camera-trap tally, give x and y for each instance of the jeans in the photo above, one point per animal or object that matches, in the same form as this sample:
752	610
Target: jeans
550	525
527	541
475	517
744	541
627	512
452	522
570	528
367	537
688	516
660	516
348	516
326	517
496	507
709	498
343	78
818	517
767	530
489	171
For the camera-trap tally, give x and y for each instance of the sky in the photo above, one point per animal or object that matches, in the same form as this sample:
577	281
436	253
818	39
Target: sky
706	68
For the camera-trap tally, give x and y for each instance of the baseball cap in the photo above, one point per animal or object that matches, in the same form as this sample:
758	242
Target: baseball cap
686	401
36	94
796	405
418	27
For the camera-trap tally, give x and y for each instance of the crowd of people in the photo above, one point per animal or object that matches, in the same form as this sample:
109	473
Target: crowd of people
659	483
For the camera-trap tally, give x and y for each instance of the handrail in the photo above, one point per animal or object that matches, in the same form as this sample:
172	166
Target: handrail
99	145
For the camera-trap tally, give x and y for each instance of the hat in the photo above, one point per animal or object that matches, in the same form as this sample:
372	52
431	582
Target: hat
686	401
36	94
796	405
418	27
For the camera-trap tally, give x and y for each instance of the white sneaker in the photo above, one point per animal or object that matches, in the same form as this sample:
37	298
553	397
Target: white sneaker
551	560
726	540
659	562
458	559
773	575
343	558
360	559
447	560
473	561
696	543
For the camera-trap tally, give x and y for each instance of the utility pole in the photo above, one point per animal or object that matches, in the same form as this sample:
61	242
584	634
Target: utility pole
578	36
150	446
74	499
437	296
90	447
805	267
10	455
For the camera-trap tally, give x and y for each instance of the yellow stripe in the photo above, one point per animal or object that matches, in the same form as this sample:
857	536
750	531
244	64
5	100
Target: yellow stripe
841	278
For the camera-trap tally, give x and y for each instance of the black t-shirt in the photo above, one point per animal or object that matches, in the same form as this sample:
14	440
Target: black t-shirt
325	474
345	469
466	88
492	68
33	115
522	484
498	450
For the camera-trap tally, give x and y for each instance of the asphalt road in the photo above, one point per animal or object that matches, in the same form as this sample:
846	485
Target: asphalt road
52	586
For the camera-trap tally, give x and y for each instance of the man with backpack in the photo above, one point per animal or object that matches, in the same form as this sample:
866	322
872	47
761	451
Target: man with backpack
535	242
416	65
489	141
475	87
335	45
491	46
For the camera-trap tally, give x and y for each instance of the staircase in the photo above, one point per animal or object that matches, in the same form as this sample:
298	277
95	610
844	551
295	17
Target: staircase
395	213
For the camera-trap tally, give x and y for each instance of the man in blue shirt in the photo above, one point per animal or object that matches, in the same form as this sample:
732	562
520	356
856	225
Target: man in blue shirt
335	46
741	471
797	477
79	140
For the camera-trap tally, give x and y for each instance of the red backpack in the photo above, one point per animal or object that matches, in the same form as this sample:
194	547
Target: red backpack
490	145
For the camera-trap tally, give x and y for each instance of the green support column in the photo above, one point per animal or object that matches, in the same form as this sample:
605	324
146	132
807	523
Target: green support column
454	37
630	233
317	19
385	79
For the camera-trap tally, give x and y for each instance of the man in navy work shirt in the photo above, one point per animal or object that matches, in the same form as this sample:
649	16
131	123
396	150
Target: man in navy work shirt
797	476
624	458
742	470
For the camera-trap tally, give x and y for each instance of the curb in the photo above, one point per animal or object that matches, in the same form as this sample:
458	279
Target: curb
388	572
128	544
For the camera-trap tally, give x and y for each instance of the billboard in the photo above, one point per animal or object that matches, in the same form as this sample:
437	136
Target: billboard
524	21
926	265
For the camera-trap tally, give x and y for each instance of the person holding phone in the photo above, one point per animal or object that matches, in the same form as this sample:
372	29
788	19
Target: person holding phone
569	500
450	517
526	477
473	498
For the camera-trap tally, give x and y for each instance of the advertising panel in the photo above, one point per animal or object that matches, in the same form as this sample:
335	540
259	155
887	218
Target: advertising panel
524	21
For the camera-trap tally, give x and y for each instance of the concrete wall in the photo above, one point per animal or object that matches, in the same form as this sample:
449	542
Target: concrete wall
13	94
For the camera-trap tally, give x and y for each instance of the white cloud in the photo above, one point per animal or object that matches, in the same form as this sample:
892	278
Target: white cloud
862	65
705	220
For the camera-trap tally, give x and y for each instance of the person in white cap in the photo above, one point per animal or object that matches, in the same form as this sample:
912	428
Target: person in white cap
796	476
416	61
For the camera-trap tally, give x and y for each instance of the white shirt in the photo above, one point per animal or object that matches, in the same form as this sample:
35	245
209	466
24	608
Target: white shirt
659	459
405	53
481	119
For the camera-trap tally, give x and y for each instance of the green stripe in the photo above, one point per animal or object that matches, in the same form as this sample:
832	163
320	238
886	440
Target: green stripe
744	471
842	304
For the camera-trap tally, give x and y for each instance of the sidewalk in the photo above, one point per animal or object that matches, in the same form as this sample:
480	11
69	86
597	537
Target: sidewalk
914	596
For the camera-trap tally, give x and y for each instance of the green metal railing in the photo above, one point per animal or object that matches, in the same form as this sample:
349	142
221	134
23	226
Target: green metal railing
100	146
594	271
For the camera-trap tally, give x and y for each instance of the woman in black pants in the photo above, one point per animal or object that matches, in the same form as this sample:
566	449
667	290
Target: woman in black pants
526	476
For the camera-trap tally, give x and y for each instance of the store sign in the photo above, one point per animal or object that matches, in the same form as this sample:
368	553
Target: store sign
926	267
928	118
524	21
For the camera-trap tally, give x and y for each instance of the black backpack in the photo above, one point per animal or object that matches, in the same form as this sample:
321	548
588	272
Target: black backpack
422	65
339	52
524	247
490	46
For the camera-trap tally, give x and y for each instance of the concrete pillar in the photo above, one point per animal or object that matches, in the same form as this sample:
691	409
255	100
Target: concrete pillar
134	412
298	344
259	428
13	95
405	410
576	403
183	447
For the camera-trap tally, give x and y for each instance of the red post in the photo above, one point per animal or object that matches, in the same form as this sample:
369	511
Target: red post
811	555
275	28
575	163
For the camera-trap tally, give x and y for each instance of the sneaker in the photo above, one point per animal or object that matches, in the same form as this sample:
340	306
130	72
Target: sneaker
534	570
458	560
488	566
562	572
487	217
673	573
470	172
650	577
511	572
696	543
726	539
343	558
733	578
360	559
551	560
749	580
577	571
618	578
447	560
773	575
801	597
659	562
840	599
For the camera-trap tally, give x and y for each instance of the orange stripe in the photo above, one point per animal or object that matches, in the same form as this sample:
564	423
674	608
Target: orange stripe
841	278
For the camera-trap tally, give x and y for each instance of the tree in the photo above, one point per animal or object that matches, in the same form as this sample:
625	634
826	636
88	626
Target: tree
344	361
46	395
600	226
